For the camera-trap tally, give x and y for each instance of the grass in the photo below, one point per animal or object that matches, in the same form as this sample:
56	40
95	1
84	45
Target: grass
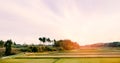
27	60
90	60
37	57
71	60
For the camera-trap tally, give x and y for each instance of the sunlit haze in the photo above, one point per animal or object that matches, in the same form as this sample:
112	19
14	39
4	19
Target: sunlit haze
82	21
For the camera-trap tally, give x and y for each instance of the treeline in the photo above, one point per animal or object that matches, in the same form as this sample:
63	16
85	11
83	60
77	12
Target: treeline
56	45
6	48
46	44
113	44
110	44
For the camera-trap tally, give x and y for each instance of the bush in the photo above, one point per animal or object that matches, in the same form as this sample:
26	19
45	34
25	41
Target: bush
34	49
24	50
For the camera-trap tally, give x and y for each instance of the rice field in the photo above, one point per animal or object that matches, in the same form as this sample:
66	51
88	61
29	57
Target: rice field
86	56
63	60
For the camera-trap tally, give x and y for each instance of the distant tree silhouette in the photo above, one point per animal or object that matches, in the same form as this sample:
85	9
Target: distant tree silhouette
42	39
114	44
14	43
8	48
55	43
48	40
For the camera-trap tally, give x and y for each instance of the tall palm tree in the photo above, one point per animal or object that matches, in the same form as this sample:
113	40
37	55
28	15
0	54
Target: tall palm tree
42	39
48	40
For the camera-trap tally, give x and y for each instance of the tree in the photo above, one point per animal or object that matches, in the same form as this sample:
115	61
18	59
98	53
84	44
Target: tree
14	43
42	39
114	44
33	49
66	44
8	48
57	43
48	40
1	43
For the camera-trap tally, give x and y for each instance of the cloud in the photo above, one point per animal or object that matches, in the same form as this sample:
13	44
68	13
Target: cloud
84	21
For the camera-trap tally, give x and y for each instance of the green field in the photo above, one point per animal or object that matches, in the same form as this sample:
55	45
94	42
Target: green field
27	60
82	56
71	60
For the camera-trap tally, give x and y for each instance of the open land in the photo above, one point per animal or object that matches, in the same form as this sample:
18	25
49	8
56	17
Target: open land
82	56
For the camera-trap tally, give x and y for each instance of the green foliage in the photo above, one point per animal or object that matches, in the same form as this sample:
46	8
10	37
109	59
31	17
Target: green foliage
24	50
50	48
114	44
60	45
34	49
8	48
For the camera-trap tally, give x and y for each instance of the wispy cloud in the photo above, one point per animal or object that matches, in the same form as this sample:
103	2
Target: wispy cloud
84	21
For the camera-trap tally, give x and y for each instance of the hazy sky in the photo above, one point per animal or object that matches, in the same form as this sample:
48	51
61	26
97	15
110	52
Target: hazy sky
83	21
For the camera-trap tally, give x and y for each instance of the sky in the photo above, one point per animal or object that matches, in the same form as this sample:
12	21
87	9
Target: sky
82	21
